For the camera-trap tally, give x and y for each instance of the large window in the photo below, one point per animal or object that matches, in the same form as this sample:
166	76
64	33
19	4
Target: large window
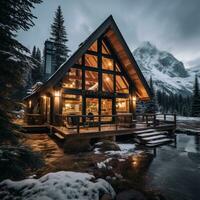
107	80
106	109
121	85
73	79
107	64
92	106
122	105
91	60
93	46
72	104
91	80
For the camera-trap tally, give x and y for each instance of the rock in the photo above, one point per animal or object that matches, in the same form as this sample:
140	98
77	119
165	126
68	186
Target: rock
107	145
106	197
130	195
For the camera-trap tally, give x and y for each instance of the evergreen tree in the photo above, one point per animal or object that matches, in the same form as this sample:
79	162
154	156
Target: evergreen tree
36	73
59	37
151	104
14	16
33	54
195	110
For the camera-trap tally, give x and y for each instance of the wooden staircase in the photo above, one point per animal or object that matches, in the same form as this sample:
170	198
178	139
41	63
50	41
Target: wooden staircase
153	137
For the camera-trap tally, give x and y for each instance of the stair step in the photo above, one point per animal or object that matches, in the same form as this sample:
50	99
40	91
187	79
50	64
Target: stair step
154	137
159	141
59	136
151	134
145	131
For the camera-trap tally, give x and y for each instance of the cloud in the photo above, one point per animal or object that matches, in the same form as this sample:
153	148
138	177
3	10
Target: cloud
171	25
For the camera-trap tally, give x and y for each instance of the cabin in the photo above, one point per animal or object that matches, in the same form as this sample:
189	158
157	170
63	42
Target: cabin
100	78
99	84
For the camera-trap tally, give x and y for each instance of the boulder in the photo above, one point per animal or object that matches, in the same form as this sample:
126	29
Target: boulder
107	145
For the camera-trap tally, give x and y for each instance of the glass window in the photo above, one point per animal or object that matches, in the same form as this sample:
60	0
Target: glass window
91	60
106	109
122	105
107	80
121	85
72	104
92	106
105	49
117	68
73	79
93	47
91	80
107	63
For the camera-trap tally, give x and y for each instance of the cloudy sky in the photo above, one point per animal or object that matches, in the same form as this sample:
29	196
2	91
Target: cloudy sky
172	25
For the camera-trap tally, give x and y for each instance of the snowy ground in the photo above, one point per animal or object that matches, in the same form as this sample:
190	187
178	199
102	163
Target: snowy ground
60	185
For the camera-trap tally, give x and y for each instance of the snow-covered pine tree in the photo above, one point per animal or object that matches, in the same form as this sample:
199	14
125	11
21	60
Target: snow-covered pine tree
195	110
59	37
14	16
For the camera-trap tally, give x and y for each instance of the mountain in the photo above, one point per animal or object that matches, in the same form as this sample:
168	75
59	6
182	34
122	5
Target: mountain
168	73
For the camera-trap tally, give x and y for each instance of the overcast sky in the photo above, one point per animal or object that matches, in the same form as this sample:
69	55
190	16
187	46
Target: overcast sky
172	25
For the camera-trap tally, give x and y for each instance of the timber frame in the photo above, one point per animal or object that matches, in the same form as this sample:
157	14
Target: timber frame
109	34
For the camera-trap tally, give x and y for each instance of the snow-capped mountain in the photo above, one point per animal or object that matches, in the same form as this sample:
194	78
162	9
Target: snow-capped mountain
168	73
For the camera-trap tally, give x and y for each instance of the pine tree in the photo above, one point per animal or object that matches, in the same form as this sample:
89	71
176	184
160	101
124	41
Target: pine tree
195	110
14	16
36	73
151	104
33	52
59	37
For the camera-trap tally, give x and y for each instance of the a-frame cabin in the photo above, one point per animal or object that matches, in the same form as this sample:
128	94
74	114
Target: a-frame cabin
100	78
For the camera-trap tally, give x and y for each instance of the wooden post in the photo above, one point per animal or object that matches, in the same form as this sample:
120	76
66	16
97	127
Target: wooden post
164	117
116	122
99	123
78	124
175	119
147	119
154	120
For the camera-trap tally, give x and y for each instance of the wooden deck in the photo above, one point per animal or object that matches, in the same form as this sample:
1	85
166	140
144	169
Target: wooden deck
141	123
107	131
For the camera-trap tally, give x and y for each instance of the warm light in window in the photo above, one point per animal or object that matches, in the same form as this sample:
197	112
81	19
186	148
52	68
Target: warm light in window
30	104
107	79
134	98
109	64
44	97
57	93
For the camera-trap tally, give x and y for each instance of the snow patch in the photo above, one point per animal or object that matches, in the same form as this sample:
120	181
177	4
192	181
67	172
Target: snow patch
60	185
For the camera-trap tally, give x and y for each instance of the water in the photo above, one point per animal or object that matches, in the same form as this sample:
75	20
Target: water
176	171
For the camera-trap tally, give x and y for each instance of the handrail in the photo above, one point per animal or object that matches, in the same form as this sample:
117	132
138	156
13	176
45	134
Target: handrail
115	117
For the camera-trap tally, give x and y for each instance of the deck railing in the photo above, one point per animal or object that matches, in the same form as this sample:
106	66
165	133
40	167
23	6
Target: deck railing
156	119
126	120
85	121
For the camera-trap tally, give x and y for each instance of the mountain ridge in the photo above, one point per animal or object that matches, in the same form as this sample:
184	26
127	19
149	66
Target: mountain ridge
168	73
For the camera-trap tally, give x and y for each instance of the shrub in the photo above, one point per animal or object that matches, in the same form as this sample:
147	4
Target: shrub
15	161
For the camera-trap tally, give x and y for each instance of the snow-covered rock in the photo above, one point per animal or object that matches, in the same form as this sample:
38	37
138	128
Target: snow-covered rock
168	73
60	185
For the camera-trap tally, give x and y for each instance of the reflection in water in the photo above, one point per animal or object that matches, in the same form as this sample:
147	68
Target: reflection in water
175	171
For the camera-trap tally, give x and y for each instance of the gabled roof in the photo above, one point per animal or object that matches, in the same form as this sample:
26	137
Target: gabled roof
110	30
